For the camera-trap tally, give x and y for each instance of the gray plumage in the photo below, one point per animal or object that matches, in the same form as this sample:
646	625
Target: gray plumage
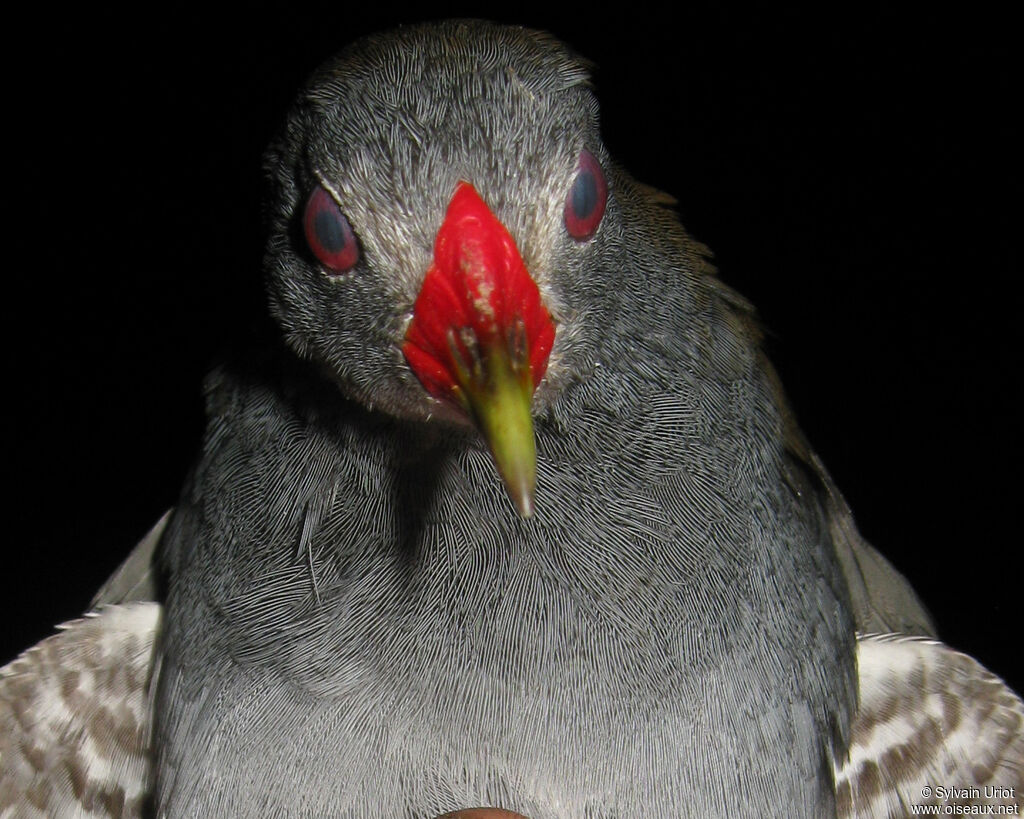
357	623
348	576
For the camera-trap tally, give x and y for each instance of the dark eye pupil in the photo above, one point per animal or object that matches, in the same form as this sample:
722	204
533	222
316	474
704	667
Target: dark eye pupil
584	195
330	231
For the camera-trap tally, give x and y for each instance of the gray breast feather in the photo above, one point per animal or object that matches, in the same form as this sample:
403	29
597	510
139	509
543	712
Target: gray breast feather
933	727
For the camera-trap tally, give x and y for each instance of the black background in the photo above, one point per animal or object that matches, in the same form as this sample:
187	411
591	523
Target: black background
851	172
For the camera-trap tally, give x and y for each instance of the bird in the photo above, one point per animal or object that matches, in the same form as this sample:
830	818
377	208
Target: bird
513	513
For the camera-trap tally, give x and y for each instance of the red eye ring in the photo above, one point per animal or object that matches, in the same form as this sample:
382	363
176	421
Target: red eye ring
329	235
587	198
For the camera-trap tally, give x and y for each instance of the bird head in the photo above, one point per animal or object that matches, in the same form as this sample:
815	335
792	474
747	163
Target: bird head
439	199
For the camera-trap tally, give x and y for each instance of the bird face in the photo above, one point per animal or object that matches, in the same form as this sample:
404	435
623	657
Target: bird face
437	215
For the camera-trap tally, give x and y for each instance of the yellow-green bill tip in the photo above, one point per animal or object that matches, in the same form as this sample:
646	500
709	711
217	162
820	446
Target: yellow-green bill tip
501	409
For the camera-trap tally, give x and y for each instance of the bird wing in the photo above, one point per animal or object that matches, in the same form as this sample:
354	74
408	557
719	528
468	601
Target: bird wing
135	579
934	728
882	599
75	718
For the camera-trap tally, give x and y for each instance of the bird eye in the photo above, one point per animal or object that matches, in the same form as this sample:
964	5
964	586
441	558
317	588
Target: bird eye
328	233
584	206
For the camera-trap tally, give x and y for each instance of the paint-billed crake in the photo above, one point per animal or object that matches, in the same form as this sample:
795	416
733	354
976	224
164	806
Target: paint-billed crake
512	513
